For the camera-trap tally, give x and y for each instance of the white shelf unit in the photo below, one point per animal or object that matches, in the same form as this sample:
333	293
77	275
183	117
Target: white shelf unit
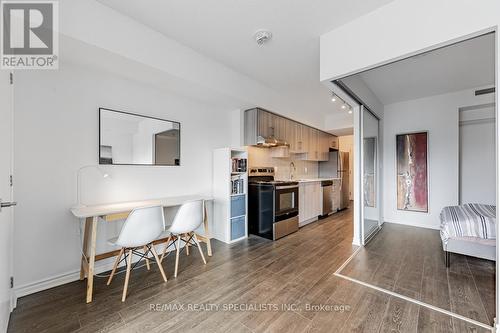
230	210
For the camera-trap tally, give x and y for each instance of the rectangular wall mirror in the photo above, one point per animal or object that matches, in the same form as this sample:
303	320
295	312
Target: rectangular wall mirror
132	139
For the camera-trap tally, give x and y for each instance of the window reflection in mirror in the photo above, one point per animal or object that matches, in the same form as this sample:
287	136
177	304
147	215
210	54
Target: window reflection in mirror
132	139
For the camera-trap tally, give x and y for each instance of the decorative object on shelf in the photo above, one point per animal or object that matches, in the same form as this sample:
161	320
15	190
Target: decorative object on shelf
239	165
412	177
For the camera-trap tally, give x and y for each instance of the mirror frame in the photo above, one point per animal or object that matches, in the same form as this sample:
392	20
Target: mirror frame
136	115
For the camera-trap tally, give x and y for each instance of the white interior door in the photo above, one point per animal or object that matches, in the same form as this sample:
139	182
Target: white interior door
6	196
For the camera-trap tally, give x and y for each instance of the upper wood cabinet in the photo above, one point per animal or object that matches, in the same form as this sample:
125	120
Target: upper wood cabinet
324	146
306	142
334	142
313	152
266	124
298	138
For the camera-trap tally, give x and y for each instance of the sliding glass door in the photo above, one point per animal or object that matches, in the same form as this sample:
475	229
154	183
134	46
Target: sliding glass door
370	174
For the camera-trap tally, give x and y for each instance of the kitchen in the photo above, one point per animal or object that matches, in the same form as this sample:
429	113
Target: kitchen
296	174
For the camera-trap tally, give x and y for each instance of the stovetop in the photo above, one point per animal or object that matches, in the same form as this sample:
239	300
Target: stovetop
273	182
265	176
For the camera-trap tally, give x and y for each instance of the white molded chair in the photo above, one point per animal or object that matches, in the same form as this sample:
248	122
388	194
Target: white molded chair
189	217
142	227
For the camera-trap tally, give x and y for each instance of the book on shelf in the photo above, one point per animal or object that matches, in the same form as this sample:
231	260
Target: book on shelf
237	185
239	164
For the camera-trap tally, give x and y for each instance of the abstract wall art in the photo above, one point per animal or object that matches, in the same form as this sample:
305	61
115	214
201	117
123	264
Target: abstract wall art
412	182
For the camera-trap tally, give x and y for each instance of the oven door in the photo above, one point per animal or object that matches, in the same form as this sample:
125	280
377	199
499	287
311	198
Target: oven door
286	202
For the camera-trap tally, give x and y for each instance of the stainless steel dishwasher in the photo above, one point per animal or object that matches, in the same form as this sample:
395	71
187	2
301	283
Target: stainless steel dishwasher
327	191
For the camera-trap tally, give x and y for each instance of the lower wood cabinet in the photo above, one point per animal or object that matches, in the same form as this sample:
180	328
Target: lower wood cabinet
310	201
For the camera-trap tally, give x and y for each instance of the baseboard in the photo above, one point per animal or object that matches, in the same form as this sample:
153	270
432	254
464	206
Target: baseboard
411	224
44	284
306	222
57	280
60	279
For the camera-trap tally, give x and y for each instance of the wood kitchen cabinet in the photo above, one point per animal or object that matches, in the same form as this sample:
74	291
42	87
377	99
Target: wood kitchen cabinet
313	150
334	142
265	124
297	137
310	202
306	142
318	145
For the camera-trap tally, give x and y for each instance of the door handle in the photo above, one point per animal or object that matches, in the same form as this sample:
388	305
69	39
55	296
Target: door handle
7	204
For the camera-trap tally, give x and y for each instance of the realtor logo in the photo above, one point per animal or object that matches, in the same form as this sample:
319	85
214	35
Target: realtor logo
29	38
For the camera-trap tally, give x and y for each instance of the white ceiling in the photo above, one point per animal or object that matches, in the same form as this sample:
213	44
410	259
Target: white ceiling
223	30
466	65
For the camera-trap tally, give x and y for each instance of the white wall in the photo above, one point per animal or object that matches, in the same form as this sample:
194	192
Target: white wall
477	155
346	144
364	93
183	69
439	115
396	30
56	133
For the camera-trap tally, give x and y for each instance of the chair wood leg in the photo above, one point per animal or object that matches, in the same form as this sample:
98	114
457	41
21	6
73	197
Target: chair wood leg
146	251
159	263
166	247
117	261
127	276
187	243
177	255
199	248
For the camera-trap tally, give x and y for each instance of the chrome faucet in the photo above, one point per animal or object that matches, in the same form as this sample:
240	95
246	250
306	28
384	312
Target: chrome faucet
292	170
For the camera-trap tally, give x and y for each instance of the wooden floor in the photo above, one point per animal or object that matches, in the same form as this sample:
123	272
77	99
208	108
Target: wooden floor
410	261
257	285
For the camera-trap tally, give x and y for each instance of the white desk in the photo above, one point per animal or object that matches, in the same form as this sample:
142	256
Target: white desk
118	211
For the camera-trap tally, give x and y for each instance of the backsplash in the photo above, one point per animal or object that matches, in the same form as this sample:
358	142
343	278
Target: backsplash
261	157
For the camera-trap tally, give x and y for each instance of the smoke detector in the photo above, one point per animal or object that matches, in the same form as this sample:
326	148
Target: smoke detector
262	36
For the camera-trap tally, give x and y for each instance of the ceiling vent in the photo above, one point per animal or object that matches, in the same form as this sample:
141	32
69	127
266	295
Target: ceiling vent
262	36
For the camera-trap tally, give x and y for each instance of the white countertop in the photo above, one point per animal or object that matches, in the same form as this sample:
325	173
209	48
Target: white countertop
312	180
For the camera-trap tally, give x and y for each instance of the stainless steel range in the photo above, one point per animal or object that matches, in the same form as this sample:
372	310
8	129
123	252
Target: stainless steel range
273	206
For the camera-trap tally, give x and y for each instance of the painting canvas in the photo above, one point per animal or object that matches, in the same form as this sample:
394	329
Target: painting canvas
412	182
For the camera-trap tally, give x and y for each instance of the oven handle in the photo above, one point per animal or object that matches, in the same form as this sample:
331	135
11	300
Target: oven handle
286	187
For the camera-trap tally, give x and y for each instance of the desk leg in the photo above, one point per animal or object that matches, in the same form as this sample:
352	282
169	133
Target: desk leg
90	276
84	263
207	232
